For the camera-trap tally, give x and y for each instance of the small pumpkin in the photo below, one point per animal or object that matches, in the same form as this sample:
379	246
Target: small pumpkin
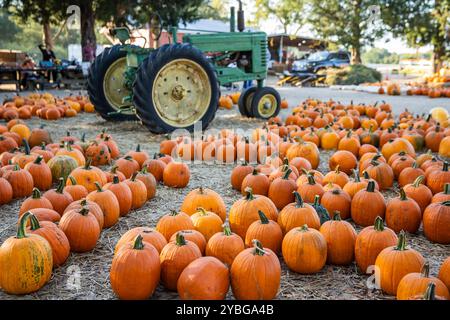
298	214
410	174
310	189
382	173
438	197
109	204
361	213
345	160
99	153
41	173
268	232
337	200
194	236
127	165
281	190
173	222
138	191
419	193
87	176
77	191
20	180
175	257
238	174
438	178
206	222
205	198
35	201
93	207
403	213
123	194
149	181
259	183
139	156
149	235
156	167
176	175
396	262
59	198
436	219
337	176
135	270
225	245
353	186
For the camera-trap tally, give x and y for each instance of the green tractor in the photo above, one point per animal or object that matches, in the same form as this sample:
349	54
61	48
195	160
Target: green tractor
178	84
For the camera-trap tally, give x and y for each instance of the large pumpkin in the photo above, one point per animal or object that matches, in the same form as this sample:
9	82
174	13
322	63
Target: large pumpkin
135	270
20	180
206	222
59	198
436	222
297	214
88	176
397	145
25	261
173	222
123	194
62	166
149	235
361	213
255	274
205	198
225	245
205	278
268	232
403	213
396	262
307	150
109	204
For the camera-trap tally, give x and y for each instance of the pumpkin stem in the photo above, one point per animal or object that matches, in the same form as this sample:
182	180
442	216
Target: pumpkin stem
254	172
138	148
287	173
311	179
415	165
34	222
83	137
26	146
445	167
401	245
73	181
133	177
36	194
87	165
263	217
83	202
202	211
114	169
173	213
366	175
38	160
98	186
356	175
336	170
259	250
116	179
21	229
249	192
337	216
430	293
403	195
349	133
316	200
304	228
180	240
379	224
447	188
298	200
371	186
138	244
226	229
84	210
446	203
426	270
418	181
201	190
61	185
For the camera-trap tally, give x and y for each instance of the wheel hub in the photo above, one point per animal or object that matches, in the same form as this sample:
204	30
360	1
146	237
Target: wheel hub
113	84
267	105
178	92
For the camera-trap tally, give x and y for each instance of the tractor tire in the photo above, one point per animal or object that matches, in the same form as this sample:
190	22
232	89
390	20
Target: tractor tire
96	85
245	102
175	87
266	103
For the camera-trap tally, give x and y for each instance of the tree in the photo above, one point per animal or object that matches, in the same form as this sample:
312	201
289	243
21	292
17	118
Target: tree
215	9
376	55
346	21
421	22
44	12
287	12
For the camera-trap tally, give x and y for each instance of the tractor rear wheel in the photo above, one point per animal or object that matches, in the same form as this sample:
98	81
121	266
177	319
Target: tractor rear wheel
245	102
266	103
175	87
106	84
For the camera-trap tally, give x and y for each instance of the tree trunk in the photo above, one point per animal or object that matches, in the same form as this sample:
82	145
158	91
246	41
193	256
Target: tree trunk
356	55
438	54
88	39
48	40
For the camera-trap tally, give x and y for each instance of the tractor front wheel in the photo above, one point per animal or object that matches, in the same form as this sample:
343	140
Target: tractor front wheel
106	84
175	87
266	103
245	102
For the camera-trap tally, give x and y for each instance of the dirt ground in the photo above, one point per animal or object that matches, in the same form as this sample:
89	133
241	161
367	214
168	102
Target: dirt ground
86	276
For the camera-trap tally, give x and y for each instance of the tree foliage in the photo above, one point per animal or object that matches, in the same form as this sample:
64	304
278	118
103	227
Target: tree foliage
382	56
286	12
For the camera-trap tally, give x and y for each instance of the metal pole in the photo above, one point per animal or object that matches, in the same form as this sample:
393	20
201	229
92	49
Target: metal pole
232	20
280	54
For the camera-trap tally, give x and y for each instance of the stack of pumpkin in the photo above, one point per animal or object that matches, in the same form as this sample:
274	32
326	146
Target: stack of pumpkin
85	199
45	106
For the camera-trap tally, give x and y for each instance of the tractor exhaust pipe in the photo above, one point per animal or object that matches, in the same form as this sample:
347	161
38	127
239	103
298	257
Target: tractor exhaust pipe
240	18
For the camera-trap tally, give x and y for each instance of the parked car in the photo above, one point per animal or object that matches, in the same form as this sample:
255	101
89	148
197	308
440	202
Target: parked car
321	60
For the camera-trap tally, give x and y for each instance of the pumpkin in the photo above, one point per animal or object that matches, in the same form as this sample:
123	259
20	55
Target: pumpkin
238	174
173	222
370	242
403	213
337	176
149	235
337	200
225	245
395	262
194	236
304	250
298	214
259	183
255	274
206	222
205	278
88	176
438	197
123	194
99	154
444	147
77	191
138	191
135	270
382	173
55	236
7	143
6	191
429	294
366	148
92	206
39	136
109	204
25	261
127	165
41	173
245	211
62	166
59	198
397	145
176	175
307	150
344	160
114	172
72	152
310	189
35	201
340	237
300	164
419	193
81	228
321	211
246	150
281	191
44	214
410	174
361	213
353	186
416	283
205	198
149	181
433	139
268	232
139	156
436	219
20	180
175	257
444	272
112	146
438	178
155	167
